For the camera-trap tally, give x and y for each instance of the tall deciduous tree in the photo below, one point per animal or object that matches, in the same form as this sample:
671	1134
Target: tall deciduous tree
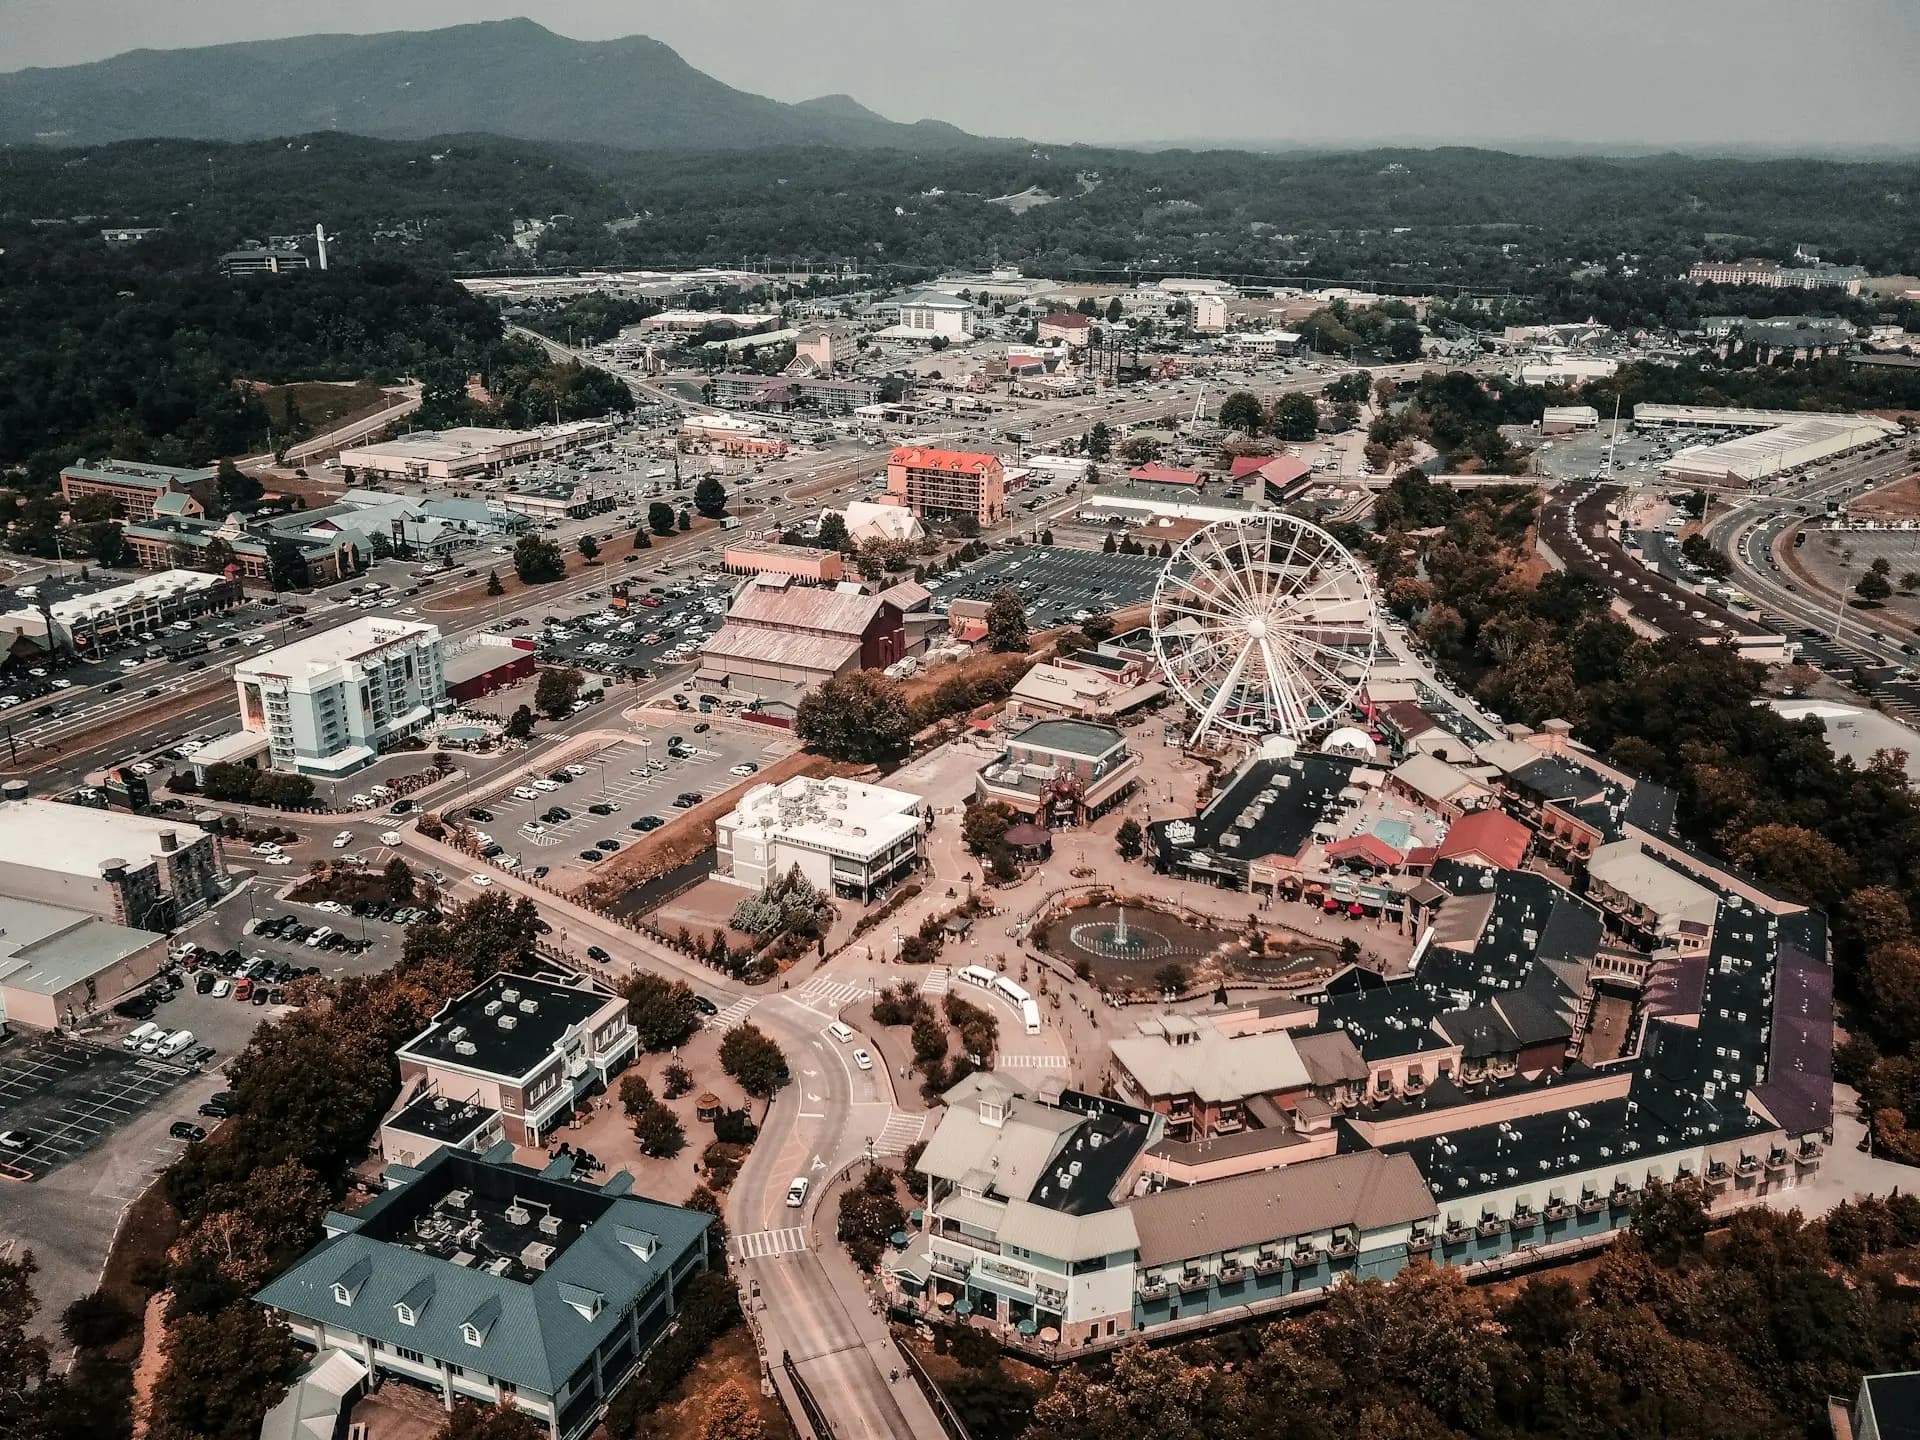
858	716
1007	622
754	1060
1242	411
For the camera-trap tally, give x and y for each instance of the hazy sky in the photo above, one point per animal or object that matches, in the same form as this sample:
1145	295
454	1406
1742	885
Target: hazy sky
1782	74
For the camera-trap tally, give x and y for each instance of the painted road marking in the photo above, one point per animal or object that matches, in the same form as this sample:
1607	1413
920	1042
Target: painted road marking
764	1244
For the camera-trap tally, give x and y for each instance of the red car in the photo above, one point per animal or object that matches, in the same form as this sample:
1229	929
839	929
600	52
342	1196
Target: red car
652	602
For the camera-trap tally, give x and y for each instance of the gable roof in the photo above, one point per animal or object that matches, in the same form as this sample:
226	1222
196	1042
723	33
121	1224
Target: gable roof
1369	1189
1492	835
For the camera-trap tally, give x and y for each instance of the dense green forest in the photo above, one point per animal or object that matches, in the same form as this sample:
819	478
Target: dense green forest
1454	216
135	352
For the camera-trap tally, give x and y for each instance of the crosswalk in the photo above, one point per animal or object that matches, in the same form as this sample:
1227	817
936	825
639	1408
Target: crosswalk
735	1013
898	1133
1031	1062
765	1244
937	981
830	996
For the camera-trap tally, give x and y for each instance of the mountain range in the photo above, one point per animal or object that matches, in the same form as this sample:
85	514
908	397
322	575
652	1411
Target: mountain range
507	77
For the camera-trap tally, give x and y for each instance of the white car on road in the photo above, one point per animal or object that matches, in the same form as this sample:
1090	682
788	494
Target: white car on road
391	837
482	880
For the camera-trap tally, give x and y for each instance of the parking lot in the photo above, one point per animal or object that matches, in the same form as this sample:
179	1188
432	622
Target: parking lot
663	626
69	1097
1055	583
636	779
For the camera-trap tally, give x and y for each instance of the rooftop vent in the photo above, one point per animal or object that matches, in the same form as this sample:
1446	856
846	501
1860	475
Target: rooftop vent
465	1047
507	1022
529	1007
510	995
518	1214
549	1224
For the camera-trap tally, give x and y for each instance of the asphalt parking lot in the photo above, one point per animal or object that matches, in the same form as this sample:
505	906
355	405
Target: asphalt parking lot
72	1096
611	780
599	637
1055	582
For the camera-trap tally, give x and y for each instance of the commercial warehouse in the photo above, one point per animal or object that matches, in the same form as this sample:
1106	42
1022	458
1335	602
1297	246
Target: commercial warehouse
1749	459
470	450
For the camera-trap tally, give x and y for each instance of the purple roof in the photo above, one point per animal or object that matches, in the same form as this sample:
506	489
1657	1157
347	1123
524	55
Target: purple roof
1798	1091
1677	984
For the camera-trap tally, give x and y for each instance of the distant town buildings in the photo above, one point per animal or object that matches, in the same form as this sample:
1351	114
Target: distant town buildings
930	315
1772	275
1065	327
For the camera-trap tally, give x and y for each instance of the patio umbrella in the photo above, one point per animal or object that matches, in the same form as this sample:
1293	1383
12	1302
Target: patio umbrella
1050	1335
964	1308
899	1239
1029	1326
1354	909
943	1300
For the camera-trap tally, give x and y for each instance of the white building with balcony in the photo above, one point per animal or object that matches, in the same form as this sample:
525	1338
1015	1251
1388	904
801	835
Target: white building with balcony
846	838
329	704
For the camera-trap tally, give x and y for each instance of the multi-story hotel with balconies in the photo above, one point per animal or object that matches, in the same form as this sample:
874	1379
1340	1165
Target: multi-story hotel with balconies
329	704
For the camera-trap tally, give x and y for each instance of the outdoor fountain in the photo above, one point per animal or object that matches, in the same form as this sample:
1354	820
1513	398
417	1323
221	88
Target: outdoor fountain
1115	940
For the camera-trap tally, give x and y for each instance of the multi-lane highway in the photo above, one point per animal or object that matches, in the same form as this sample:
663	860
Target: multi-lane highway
1747	532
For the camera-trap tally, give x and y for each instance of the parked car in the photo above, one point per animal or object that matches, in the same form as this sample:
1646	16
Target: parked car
186	1130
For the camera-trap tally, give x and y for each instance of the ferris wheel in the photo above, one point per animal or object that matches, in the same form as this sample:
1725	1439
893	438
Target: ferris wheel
1264	625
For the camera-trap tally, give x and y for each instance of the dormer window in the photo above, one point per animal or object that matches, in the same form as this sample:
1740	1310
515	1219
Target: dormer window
341	1295
405	1312
471	1334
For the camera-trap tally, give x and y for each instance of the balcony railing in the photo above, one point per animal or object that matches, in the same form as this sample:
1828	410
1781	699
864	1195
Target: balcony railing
990	1247
1153	1289
1525	1219
1749	1165
1777	1159
1559	1210
1343	1247
1492	1225
1194	1280
1810	1152
1420	1244
1592	1204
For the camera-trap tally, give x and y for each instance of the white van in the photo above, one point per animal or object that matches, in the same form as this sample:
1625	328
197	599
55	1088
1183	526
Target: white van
174	1044
319	937
842	1033
140	1034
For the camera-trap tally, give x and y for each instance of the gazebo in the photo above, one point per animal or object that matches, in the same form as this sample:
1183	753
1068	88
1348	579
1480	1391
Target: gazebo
1030	841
